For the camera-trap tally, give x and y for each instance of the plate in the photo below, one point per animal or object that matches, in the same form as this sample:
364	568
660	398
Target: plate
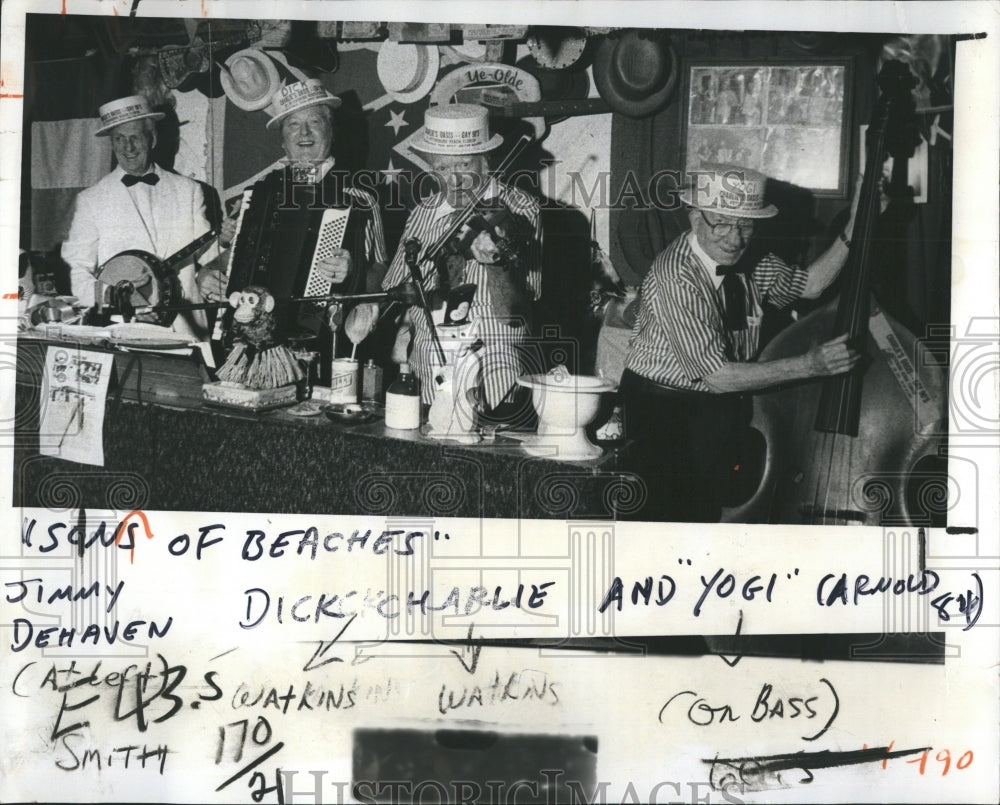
353	413
306	408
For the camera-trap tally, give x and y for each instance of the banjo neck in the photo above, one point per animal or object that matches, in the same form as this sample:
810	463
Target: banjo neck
169	264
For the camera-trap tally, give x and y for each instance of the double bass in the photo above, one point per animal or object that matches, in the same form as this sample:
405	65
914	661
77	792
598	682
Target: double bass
867	447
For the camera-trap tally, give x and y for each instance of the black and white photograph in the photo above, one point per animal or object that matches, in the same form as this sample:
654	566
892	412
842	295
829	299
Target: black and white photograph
787	120
597	355
530	402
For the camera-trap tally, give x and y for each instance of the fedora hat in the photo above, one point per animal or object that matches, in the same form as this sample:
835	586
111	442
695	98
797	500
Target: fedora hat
292	97
407	71
250	80
729	190
636	72
124	110
456	128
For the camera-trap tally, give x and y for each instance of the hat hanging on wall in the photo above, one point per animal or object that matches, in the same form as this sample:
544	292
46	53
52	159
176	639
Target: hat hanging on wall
636	72
555	48
474	52
250	79
407	71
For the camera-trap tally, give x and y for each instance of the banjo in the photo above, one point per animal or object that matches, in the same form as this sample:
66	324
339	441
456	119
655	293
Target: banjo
139	279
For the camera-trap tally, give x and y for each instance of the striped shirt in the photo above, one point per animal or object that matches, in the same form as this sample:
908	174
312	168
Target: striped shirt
501	365
375	251
679	337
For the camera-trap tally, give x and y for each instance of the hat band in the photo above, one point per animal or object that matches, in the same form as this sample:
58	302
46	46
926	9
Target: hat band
445	138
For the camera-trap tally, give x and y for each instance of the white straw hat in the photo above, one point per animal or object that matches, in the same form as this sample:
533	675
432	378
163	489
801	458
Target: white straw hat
250	80
407	71
297	96
728	190
456	128
124	110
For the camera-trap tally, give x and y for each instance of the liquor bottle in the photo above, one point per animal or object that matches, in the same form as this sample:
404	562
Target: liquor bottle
402	401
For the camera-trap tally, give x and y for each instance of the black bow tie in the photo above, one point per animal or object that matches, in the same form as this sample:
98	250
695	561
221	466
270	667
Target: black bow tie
149	178
734	295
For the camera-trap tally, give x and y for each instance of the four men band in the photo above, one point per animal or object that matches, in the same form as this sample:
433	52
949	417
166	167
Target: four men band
692	357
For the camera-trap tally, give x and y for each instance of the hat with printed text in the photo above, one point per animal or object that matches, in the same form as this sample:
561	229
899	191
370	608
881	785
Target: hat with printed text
457	128
301	94
125	110
728	190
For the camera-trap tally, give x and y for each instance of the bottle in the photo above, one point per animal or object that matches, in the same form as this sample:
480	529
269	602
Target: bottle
371	382
402	401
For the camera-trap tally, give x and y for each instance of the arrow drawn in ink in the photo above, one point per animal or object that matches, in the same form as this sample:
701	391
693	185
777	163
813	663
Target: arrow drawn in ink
470	650
735	658
324	646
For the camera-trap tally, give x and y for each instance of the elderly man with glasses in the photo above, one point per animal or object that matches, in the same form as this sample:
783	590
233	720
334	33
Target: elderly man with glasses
691	361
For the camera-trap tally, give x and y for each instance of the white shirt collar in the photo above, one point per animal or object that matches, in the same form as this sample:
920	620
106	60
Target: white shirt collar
325	168
709	264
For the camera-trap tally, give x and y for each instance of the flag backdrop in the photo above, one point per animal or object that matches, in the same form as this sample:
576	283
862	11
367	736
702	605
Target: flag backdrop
65	156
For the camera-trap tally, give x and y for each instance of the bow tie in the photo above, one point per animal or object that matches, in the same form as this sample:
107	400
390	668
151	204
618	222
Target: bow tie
305	173
148	178
734	297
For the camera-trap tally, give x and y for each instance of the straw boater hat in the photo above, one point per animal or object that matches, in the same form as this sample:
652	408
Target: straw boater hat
124	110
456	128
729	190
297	96
407	71
250	80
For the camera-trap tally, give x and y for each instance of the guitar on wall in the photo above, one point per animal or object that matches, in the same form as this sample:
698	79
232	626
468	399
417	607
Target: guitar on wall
179	62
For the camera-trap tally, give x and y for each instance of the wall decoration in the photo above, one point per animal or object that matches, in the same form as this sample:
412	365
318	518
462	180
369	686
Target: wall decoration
785	119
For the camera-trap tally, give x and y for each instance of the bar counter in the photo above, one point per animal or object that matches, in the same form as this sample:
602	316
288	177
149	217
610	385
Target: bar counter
165	450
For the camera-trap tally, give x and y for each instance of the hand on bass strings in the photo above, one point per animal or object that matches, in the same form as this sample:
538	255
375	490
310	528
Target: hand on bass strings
833	357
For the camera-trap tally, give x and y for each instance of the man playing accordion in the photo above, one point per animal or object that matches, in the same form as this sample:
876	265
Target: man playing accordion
304	229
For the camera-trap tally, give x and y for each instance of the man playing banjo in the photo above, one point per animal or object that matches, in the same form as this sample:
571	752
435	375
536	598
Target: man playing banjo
136	206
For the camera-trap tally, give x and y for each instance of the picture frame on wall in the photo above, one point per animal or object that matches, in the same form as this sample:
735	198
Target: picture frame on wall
787	119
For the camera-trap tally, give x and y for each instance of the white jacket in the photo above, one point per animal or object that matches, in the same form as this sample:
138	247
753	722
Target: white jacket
107	222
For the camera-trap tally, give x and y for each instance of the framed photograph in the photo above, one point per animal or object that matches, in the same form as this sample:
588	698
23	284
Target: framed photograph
785	119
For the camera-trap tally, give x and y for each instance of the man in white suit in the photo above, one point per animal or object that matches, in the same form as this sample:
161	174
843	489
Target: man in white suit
136	206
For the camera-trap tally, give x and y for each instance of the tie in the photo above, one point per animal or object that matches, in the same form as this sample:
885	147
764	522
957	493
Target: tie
734	296
148	178
305	172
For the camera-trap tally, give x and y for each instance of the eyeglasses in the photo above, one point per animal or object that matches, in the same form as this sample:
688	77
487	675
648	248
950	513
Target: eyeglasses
723	229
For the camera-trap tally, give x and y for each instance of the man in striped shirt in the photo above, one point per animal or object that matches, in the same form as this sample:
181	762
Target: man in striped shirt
691	358
456	139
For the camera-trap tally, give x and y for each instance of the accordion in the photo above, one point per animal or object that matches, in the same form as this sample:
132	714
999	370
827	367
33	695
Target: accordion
282	232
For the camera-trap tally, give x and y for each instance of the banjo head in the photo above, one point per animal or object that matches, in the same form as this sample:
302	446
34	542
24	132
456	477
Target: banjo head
138	269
